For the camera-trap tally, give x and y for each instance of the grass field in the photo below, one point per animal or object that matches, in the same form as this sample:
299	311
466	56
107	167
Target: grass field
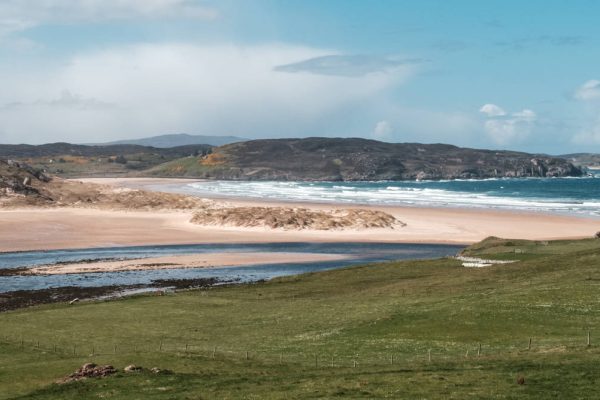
394	330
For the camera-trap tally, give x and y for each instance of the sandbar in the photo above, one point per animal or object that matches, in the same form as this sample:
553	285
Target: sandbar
208	260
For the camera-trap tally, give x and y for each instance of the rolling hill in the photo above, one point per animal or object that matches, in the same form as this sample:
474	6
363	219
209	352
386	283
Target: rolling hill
75	160
355	159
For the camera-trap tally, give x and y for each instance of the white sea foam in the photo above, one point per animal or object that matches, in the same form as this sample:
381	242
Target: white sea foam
389	194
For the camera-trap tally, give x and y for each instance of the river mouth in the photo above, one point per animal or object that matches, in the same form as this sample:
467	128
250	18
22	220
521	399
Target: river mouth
50	288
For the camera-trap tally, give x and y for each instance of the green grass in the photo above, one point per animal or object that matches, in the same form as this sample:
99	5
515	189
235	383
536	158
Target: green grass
365	314
186	167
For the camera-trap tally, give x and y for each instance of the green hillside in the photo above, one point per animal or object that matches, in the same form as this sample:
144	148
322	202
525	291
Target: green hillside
453	332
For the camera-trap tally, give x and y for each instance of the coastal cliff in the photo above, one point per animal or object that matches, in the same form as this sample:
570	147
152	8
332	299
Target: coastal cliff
354	159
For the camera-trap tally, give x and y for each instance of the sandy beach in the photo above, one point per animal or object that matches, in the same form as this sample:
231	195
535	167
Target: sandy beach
24	229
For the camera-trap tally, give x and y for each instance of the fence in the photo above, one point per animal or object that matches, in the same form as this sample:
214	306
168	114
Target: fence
308	358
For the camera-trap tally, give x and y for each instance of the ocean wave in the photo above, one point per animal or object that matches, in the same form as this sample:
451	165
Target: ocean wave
557	195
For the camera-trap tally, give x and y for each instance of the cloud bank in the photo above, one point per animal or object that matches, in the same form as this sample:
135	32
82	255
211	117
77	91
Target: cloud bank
19	15
148	89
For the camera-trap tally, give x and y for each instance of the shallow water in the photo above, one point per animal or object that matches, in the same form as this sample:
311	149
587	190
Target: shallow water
361	253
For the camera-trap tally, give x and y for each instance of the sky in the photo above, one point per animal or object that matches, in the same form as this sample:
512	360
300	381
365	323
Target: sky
487	74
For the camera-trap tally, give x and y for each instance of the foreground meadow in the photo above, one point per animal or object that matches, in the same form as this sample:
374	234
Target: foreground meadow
416	329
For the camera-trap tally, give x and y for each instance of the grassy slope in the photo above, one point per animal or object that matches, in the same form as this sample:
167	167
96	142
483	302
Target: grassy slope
365	314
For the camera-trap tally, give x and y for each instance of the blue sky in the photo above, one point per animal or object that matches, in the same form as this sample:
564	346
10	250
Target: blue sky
496	74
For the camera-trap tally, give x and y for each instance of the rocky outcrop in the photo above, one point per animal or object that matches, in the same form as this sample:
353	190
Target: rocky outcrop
90	370
336	159
22	185
20	178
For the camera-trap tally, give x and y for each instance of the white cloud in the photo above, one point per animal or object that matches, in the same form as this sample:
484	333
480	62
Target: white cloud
526	115
492	110
588	94
503	128
161	88
349	65
19	15
411	124
590	90
382	131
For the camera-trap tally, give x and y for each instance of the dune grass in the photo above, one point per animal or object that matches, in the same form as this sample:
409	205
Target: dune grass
334	334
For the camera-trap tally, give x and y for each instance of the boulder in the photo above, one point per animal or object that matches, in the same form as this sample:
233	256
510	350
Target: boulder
132	368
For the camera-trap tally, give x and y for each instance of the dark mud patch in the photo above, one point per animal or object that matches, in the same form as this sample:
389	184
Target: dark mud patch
88	261
28	298
13	271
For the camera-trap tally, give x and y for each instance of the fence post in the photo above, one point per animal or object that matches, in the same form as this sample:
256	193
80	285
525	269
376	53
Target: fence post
529	345
214	352
479	350
160	346
247	355
429	355
589	343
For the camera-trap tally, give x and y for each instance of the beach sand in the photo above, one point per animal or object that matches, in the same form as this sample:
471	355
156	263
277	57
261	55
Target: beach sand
211	260
55	228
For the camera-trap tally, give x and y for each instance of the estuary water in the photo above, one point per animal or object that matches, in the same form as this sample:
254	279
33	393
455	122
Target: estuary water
361	253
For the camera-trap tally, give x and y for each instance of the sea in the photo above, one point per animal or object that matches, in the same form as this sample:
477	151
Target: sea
570	196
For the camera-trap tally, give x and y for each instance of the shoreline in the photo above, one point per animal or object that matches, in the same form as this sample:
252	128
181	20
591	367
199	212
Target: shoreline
169	185
52	228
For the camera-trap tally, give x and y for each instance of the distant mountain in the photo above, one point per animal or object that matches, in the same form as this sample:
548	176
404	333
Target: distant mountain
179	139
355	159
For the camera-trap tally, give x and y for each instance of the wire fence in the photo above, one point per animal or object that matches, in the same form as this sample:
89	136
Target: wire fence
309	358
